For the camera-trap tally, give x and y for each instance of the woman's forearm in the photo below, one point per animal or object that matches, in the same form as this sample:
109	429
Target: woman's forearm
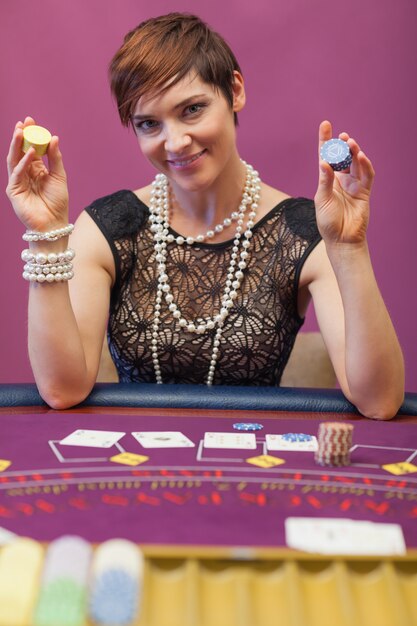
373	358
55	348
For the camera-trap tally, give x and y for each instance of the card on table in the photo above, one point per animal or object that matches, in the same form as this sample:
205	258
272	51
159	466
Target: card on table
163	439
265	461
235	441
4	464
92	438
278	442
398	469
129	458
343	536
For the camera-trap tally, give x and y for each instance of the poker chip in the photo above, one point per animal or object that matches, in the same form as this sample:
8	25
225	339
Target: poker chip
63	593
337	153
334	441
247	426
20	568
296	437
62	601
36	137
117	573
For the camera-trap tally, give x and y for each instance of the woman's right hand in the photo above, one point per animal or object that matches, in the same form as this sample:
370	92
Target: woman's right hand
39	195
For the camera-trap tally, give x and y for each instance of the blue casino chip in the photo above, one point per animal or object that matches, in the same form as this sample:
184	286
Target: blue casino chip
247	426
337	153
114	598
296	437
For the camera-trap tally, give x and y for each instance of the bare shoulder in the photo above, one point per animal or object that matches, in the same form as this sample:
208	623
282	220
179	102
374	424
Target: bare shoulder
317	266
270	197
91	247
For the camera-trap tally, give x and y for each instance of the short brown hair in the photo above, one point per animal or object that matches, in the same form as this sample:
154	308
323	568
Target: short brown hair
161	51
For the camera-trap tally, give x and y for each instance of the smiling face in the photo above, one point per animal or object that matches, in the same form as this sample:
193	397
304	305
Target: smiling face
187	132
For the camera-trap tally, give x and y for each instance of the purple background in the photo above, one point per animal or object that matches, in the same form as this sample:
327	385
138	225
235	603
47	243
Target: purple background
303	61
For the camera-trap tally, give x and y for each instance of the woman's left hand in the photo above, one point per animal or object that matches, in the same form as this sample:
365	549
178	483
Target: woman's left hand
342	198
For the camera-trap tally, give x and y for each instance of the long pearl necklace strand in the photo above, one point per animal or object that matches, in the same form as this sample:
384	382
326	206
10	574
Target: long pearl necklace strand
159	217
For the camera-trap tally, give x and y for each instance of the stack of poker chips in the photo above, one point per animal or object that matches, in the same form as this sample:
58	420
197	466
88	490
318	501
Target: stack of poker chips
117	573
337	153
20	568
37	137
247	426
63	595
334	441
297	437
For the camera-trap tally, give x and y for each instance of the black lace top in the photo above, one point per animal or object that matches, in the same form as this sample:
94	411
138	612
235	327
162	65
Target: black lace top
261	327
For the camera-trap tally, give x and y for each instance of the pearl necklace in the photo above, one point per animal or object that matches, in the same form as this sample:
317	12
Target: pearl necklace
159	217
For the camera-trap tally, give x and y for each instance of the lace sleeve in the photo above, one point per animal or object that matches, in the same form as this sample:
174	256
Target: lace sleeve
120	216
300	215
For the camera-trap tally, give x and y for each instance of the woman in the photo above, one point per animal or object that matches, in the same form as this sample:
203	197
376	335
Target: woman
208	271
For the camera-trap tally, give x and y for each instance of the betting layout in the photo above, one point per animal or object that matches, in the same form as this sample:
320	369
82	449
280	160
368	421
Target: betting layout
63	471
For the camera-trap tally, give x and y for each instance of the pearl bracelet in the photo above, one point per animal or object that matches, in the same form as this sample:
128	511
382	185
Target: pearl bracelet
50	278
51	235
52	258
53	267
32	268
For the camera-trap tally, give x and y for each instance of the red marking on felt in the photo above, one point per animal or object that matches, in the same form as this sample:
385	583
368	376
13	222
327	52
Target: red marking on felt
164	472
79	503
414	511
345	505
315	502
325	477
26	509
216	497
391	483
295	500
67	475
186	473
21	479
45	506
298	476
218	473
37	476
140	473
5	512
367	481
344	479
202	499
174	498
143	497
378	508
247	497
4	479
117	500
207	473
261	499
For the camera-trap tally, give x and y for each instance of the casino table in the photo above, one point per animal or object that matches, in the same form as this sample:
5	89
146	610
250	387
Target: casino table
210	522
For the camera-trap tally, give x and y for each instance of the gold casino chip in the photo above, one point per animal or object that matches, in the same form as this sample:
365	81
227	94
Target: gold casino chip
38	137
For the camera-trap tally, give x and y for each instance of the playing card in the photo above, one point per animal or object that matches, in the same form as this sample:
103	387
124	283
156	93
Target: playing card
92	438
277	442
343	536
236	441
163	439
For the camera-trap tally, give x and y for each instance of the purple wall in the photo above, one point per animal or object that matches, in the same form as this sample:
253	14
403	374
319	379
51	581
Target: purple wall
304	61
